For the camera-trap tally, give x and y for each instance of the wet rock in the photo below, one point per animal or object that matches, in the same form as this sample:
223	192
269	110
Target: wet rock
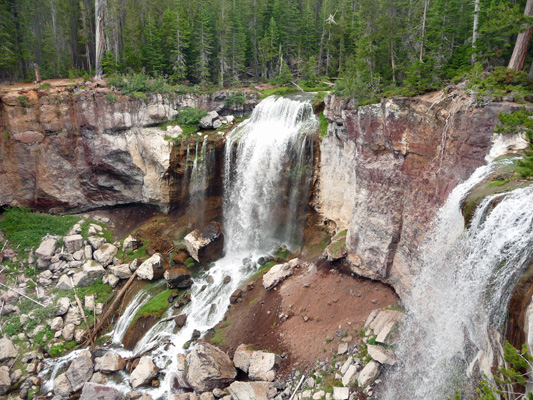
209	368
5	380
109	363
99	378
205	244
227	279
7	350
121	271
252	390
196	334
180	320
181	373
62	386
104	255
263	366
278	273
91	272
369	374
235	296
94	391
242	357
150	268
178	278
80	370
143	374
73	243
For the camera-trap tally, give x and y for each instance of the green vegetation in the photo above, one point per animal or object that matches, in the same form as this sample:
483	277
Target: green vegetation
323	130
155	307
26	228
44	86
278	91
111	98
263	269
235	100
283	253
219	336
137	83
520	122
57	350
24	101
105	232
498	183
103	291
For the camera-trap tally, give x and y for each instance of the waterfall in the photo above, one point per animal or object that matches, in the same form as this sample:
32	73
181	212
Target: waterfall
203	162
461	294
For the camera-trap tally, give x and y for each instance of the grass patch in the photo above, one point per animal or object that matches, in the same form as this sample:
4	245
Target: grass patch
26	228
252	302
283	253
263	269
498	183
155	307
323	130
104	292
219	336
278	91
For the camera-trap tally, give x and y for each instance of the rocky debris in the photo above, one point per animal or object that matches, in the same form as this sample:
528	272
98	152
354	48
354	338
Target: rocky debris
104	255
369	373
62	306
336	250
252	390
205	244
94	391
263	366
143	374
7	350
96	242
5	380
383	323
90	273
121	271
178	278
68	332
278	273
341	393
381	355
180	377
80	370
209	120
130	243
73	243
236	296
242	357
99	378
62	386
150	268
64	283
56	324
180	320
209	368
45	251
109	363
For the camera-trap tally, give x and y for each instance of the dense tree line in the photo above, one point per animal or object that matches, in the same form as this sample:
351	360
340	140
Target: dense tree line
374	45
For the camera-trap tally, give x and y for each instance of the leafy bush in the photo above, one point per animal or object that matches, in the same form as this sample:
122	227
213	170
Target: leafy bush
26	228
190	116
24	101
235	100
135	84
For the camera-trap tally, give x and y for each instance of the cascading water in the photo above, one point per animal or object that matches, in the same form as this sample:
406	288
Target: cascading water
268	169
203	162
461	294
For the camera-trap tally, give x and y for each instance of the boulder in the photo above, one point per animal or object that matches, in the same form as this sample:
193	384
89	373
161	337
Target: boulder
99	378
263	366
381	355
205	244
47	248
62	306
341	393
336	250
209	368
5	380
94	391
150	268
7	350
369	374
88	252
143	374
278	273
121	271
178	278
180	320
383	323
62	386
207	121
130	243
241	358
80	370
68	332
104	255
96	242
252	390
184	396
64	283
73	316
181	373
56	324
109	363
350	375
80	335
73	243
90	273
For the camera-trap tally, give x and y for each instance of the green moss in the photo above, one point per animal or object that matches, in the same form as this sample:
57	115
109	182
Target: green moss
219	336
283	253
498	183
263	269
26	228
155	307
103	291
323	130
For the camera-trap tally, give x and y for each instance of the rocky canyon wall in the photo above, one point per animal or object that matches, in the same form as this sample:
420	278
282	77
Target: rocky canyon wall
73	148
386	168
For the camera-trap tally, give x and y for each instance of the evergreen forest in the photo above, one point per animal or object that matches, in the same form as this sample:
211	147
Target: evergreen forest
365	47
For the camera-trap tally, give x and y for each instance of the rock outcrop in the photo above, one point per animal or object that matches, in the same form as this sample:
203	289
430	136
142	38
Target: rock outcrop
72	149
205	244
386	168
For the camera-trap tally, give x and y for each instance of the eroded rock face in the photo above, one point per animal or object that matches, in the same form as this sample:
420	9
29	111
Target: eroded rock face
387	168
72	150
209	368
205	244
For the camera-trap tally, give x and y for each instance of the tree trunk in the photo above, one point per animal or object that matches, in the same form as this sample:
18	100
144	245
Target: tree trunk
423	31
99	16
522	42
474	30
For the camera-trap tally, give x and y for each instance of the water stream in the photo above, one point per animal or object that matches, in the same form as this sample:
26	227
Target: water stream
459	298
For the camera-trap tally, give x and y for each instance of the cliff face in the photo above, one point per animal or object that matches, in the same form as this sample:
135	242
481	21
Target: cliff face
70	149
386	169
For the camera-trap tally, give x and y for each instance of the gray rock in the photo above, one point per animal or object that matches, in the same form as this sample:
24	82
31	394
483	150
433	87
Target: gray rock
318	395
64	283
346	365
278	273
252	390
80	370
207	121
121	271
46	248
241	358
263	366
90	273
68	332
341	393
147	269
5	380
104	255
90	302
217	124
350	376
205	244
94	391
96	242
73	316
343	349
130	244
180	377
178	278
88	252
146	371
369	373
109	363
111	280
207	396
56	324
73	243
7	349
183	396
381	355
78	255
218	393
80	335
209	368
62	386
62	306
99	378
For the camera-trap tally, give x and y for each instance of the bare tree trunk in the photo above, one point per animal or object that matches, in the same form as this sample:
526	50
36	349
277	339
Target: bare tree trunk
99	15
474	30
522	42
423	31
393	63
